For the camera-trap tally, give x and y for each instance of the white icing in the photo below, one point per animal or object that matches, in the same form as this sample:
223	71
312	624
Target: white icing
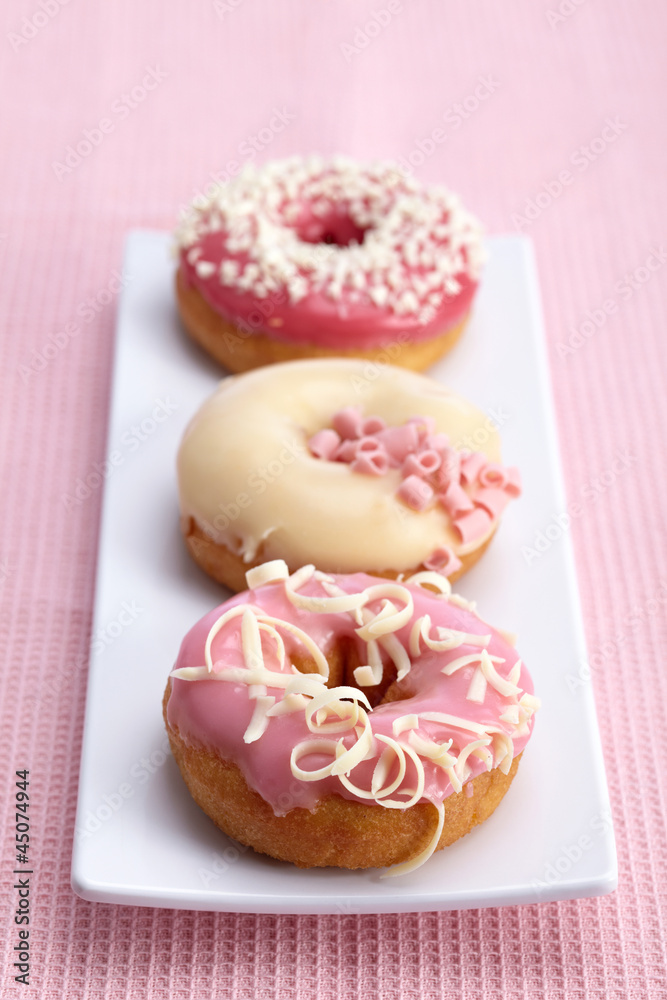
247	478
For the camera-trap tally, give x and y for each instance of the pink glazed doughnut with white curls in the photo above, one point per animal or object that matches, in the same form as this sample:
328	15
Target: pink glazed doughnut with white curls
347	720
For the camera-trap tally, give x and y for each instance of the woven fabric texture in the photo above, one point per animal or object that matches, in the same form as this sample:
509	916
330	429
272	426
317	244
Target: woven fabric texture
166	95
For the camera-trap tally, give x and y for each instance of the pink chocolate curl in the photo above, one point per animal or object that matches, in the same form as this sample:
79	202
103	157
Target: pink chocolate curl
455	500
372	425
348	422
437	441
473	525
492	500
324	444
399	441
415	493
423	463
430	461
346	451
443	561
513	485
450	468
472	465
424	425
371	463
411	466
369	444
493	474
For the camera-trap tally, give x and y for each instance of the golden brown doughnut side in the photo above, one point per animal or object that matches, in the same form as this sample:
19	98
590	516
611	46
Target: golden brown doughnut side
230	569
338	832
239	352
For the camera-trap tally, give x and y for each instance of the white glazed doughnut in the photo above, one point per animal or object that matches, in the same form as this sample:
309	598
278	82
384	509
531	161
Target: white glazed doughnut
258	479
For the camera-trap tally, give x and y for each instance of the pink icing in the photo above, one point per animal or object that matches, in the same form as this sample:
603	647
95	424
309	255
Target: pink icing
417	283
343	324
216	714
472	490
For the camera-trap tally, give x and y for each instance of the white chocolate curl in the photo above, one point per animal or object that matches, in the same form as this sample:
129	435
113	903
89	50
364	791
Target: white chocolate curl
338	717
268	572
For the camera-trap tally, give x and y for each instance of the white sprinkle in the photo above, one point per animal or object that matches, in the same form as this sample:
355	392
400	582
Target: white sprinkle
379	294
204	268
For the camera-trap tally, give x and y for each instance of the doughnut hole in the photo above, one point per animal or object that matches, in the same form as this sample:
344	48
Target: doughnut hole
337	228
386	690
335	658
343	660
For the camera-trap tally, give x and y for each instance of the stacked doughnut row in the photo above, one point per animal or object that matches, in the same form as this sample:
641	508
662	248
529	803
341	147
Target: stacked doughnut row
345	708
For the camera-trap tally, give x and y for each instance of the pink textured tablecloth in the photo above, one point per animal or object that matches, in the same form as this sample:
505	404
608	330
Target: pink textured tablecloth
552	114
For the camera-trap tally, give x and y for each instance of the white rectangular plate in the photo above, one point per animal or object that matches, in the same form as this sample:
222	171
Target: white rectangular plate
139	836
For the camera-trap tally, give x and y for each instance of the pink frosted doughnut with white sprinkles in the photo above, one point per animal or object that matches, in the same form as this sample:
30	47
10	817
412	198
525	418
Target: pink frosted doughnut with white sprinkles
310	257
